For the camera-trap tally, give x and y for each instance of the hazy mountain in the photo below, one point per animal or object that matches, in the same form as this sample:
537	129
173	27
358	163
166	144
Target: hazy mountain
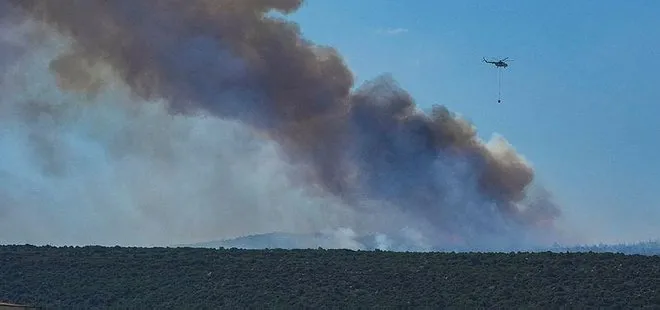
345	239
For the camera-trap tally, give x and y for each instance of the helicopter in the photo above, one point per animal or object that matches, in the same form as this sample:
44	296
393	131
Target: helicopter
500	63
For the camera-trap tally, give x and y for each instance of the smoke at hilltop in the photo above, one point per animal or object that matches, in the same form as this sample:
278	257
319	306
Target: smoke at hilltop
189	118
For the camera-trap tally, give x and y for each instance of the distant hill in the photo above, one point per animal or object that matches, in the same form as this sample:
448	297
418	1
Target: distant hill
326	240
373	242
304	241
641	248
263	241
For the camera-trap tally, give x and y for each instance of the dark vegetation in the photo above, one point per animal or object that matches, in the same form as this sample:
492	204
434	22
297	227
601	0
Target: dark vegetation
185	278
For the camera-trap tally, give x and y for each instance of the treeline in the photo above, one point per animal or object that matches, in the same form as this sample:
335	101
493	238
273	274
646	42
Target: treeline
109	277
395	243
643	248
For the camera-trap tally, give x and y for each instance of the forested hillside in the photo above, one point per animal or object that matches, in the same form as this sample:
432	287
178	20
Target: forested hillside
101	277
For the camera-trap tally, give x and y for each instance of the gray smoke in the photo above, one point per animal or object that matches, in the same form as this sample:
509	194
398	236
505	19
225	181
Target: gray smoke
171	121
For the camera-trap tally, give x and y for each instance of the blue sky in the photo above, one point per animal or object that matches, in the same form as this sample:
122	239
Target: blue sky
581	100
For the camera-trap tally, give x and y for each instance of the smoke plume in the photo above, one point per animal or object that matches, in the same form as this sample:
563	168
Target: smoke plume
213	118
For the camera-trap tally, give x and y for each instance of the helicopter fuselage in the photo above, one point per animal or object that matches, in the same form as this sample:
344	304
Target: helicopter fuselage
499	63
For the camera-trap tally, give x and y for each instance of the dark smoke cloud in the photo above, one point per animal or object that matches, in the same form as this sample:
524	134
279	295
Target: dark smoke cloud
230	59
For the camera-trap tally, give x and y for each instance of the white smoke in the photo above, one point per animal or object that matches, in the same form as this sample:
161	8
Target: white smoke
114	170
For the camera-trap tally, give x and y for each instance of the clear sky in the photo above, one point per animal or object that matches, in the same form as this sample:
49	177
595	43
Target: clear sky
580	100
